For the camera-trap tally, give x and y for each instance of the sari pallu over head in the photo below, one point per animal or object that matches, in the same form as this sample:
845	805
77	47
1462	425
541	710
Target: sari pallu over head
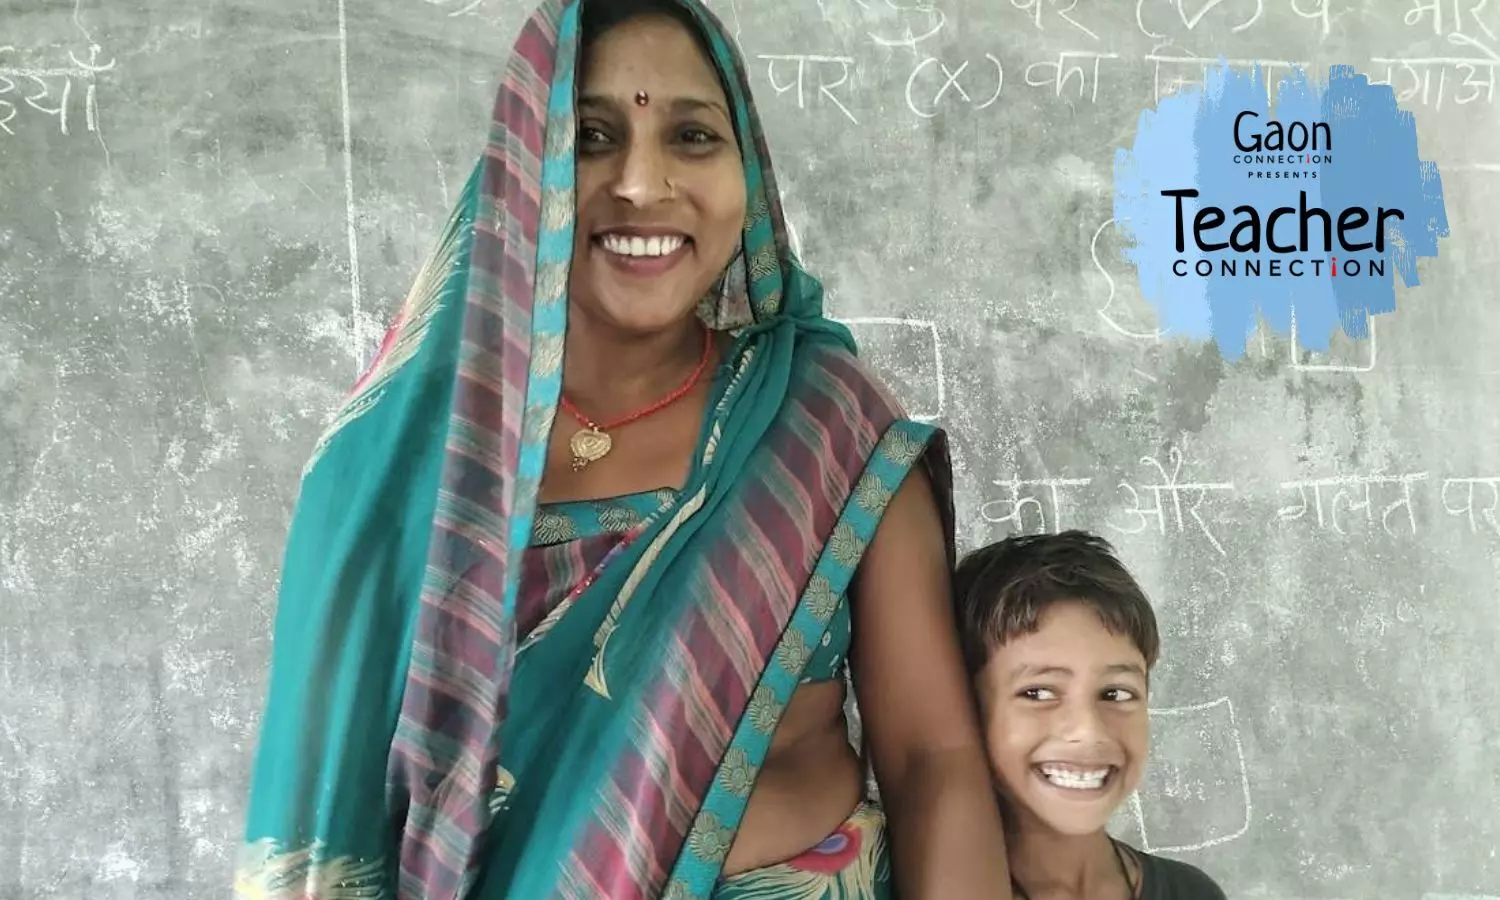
410	747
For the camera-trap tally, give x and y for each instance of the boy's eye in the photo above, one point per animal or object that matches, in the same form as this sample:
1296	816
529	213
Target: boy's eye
1119	695
1039	694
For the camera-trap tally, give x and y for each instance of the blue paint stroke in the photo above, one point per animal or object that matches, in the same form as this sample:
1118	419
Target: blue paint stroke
1378	162
1164	159
1188	142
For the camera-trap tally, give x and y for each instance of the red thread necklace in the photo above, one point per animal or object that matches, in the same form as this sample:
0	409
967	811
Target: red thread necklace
592	442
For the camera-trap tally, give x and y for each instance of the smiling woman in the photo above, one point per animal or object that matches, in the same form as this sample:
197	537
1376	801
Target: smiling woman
604	658
661	185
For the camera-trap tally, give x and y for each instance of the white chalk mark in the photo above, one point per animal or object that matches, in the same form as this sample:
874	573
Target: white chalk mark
1459	39
937	353
911	79
802	60
1156	57
734	10
91	107
78	21
61	112
1329	367
88	71
354	290
442	178
1172	488
1146	375
1140	22
1063	14
1061	77
1239	750
471	10
999	81
1016	507
1035	6
1417	71
911	40
1104	310
1319	13
1191	20
1343	487
1491	515
827	91
951	77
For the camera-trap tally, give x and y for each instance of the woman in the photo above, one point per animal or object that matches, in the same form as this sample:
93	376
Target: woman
599	654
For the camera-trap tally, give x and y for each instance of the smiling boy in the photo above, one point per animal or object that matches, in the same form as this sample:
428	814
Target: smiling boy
1060	640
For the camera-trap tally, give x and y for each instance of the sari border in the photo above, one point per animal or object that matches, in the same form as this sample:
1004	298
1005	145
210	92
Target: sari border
717	822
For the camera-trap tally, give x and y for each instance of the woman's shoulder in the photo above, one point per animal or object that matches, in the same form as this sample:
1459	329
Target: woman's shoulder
857	388
1171	879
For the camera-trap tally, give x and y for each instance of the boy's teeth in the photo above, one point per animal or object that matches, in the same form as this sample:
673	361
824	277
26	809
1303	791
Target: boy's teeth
1073	778
626	245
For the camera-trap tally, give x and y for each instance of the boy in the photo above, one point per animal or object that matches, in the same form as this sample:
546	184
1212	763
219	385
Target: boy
1059	641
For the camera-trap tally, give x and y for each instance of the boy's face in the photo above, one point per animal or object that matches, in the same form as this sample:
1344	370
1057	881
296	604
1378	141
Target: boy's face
1064	713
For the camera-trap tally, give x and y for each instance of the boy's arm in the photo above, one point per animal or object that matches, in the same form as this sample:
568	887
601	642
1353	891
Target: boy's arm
918	712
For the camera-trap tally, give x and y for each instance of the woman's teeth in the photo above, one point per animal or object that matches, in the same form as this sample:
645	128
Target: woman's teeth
625	245
1076	779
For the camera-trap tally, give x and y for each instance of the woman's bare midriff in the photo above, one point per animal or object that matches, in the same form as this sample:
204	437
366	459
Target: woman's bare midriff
811	781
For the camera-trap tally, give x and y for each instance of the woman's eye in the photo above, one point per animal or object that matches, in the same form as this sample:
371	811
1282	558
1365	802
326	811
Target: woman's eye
698	136
1119	695
1039	694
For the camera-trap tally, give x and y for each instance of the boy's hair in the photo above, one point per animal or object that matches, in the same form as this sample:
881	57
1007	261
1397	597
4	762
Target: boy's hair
1002	590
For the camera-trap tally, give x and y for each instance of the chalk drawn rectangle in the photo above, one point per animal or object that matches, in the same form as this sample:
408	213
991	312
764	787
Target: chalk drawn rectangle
908	354
1196	790
1294	351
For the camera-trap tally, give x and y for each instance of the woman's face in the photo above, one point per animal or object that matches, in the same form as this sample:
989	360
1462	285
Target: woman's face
661	188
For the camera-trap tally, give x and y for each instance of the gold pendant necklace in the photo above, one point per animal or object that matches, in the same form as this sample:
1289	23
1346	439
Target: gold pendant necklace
592	442
589	444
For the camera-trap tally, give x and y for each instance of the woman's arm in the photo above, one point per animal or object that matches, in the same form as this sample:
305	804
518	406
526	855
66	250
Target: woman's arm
918	714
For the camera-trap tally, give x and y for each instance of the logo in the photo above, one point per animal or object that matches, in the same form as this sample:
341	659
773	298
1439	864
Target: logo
1239	212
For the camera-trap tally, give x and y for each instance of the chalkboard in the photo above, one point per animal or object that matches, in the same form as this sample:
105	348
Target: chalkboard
207	212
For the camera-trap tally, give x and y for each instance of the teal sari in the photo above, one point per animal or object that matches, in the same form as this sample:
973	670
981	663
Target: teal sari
414	743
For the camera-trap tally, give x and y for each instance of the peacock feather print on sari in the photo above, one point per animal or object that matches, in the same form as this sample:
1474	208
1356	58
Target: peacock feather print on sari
850	864
267	872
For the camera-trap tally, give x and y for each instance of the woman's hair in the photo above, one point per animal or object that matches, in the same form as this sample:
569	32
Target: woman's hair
1002	590
599	16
